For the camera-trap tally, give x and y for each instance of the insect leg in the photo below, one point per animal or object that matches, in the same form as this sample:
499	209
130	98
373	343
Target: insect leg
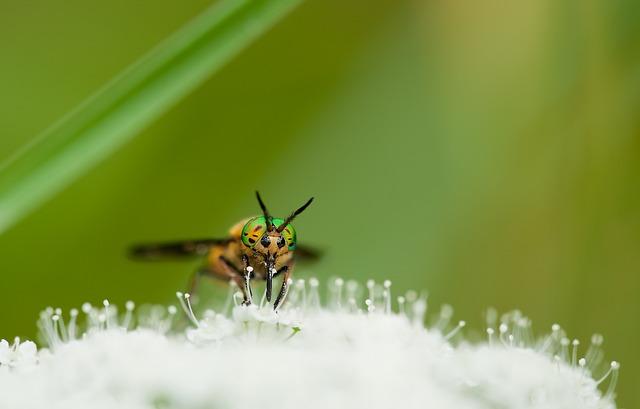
248	270
230	265
246	288
283	289
282	269
270	278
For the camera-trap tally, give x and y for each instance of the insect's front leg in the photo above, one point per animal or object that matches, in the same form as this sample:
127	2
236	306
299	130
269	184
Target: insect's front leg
248	270
281	270
286	271
246	288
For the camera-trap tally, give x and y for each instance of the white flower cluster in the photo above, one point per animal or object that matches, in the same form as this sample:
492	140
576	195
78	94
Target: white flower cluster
306	355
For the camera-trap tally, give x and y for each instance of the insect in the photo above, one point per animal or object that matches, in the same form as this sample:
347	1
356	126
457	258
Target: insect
262	247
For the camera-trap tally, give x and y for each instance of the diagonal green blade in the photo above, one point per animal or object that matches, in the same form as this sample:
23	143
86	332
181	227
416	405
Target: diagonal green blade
130	102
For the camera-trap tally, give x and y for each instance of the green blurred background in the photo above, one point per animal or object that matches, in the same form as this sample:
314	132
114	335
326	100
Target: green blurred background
488	152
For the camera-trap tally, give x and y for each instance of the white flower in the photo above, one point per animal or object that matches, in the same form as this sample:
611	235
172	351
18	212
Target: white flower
20	354
305	356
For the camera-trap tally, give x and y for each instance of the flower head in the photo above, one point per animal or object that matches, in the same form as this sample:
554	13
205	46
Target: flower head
354	351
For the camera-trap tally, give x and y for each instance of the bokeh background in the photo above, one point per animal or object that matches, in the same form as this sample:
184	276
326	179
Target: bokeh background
487	152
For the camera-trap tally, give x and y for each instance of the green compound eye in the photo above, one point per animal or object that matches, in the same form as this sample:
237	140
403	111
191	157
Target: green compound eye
253	230
289	233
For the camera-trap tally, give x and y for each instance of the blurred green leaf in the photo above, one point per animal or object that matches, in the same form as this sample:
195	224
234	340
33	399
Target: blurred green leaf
130	102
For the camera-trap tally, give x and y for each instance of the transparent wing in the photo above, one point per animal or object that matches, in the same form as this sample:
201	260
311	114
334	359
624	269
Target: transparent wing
307	254
173	250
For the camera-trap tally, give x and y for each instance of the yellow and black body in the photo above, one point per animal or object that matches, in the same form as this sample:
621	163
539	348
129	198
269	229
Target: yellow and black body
262	247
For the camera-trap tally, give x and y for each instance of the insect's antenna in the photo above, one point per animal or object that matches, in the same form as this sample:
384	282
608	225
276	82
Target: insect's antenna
265	212
294	214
